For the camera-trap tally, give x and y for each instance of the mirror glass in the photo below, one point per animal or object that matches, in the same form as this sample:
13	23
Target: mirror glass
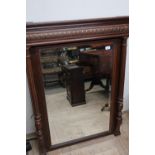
77	82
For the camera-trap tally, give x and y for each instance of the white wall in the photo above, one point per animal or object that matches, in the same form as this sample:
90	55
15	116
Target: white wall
57	10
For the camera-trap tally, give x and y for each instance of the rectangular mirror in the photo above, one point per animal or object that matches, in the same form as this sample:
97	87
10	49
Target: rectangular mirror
76	71
77	84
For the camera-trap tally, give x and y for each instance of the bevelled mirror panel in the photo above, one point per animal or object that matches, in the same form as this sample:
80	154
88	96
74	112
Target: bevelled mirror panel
77	84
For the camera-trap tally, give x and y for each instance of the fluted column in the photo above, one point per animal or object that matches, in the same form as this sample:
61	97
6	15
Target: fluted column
34	97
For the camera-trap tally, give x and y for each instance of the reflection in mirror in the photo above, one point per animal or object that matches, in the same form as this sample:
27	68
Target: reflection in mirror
77	81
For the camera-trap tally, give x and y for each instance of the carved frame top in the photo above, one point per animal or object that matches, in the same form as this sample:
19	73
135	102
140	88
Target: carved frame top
62	32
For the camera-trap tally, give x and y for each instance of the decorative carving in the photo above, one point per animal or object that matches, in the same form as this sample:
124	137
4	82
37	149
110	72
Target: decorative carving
119	116
40	134
75	32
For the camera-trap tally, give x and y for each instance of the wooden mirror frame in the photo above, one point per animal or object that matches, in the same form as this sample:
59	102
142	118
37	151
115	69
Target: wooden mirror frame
70	32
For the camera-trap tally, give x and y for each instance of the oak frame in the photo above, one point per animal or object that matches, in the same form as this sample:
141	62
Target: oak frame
72	32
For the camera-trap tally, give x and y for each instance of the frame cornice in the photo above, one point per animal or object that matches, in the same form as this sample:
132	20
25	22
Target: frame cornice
51	33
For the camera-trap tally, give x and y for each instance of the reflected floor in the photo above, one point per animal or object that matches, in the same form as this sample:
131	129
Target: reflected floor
68	123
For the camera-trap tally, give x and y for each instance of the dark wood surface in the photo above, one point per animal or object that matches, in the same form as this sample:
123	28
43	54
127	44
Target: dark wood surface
83	139
119	100
38	35
80	30
100	61
38	98
74	84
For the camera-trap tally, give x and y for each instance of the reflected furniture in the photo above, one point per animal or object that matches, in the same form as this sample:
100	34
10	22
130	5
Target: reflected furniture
108	31
52	59
100	63
74	84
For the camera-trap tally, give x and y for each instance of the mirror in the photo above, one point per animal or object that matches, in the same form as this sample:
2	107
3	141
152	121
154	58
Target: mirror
77	84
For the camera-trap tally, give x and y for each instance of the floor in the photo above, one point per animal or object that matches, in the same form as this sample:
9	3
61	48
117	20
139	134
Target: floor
69	123
109	145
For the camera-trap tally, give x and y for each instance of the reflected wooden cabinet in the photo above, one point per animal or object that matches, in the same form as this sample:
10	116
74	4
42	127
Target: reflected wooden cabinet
74	84
58	124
